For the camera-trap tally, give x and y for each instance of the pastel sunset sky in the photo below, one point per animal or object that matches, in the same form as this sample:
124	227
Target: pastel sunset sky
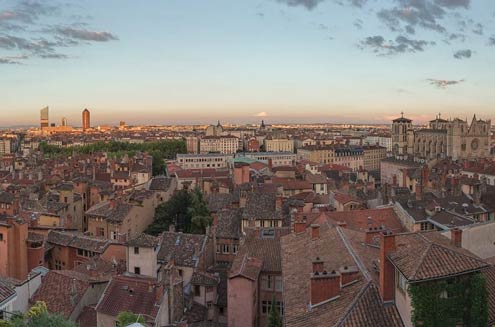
196	61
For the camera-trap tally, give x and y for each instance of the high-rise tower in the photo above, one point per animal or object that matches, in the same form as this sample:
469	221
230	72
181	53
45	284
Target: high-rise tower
86	123
44	118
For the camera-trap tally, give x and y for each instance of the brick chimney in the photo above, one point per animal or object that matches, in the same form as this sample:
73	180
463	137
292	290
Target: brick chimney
419	192
299	227
315	231
348	275
325	286
456	237
387	270
317	265
371	236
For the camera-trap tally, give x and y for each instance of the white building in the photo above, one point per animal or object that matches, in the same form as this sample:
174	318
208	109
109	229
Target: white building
203	161
279	145
276	158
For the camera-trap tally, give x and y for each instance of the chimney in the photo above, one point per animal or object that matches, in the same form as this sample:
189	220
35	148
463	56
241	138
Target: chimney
456	237
214	217
299	227
419	192
387	270
325	286
373	236
317	265
158	293
315	231
270	163
348	275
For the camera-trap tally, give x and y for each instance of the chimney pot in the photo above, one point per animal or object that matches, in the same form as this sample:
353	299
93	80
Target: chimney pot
315	231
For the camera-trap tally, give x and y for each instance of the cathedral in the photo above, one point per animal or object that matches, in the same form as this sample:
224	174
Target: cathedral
443	138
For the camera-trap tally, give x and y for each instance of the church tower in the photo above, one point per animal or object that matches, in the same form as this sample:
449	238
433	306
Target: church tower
400	128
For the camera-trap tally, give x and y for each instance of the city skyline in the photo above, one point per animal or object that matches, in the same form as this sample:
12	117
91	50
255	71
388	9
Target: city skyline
282	61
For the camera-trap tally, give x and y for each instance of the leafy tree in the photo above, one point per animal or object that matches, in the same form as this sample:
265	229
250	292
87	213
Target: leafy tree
38	316
274	319
188	211
126	318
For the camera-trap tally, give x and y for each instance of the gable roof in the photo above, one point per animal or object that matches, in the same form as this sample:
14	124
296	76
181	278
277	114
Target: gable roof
426	256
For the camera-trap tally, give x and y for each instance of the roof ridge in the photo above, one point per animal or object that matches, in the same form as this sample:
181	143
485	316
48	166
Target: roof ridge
423	255
354	303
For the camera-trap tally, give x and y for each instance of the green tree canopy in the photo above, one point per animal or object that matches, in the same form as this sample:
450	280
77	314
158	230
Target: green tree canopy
126	318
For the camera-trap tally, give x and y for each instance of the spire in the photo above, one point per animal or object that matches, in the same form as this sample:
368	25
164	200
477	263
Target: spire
402	114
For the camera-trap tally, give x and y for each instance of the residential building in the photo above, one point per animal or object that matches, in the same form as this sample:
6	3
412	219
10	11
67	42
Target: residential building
219	144
272	159
373	155
279	145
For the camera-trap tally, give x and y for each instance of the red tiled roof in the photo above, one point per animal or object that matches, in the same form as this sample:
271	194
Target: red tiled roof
61	291
245	266
425	256
364	219
127	293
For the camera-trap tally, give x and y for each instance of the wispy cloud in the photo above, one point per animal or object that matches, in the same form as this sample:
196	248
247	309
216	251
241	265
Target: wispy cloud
491	41
401	44
443	84
308	4
463	54
25	31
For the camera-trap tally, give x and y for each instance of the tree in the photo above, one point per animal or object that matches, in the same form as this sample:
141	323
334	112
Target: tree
38	316
126	318
188	211
274	319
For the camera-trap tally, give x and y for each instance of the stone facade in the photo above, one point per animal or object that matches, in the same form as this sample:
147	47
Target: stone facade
443	138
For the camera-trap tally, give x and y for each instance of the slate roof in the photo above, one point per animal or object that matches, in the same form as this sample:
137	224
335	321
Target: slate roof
181	248
128	293
61	290
429	255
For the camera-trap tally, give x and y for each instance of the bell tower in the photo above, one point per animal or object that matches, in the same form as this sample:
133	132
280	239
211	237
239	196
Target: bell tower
400	128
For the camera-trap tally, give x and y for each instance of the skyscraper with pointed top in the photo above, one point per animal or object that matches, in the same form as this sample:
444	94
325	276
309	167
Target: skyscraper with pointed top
86	122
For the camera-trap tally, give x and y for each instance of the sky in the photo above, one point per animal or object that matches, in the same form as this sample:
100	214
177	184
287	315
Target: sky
190	61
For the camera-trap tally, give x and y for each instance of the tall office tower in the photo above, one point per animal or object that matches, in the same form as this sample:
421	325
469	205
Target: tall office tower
86	124
64	121
44	117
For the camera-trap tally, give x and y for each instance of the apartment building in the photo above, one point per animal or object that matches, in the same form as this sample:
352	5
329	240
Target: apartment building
273	159
221	144
373	155
279	145
344	155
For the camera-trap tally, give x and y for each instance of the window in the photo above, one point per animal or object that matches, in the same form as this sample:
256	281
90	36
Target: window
197	290
234	248
425	226
1	237
58	265
278	283
265	307
114	235
401	282
137	270
225	248
266	282
136	250
219	248
100	231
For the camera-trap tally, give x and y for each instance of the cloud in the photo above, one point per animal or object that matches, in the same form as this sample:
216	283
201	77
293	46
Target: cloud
491	41
358	23
23	29
85	35
402	44
443	84
15	60
261	114
463	54
478	29
308	4
423	13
